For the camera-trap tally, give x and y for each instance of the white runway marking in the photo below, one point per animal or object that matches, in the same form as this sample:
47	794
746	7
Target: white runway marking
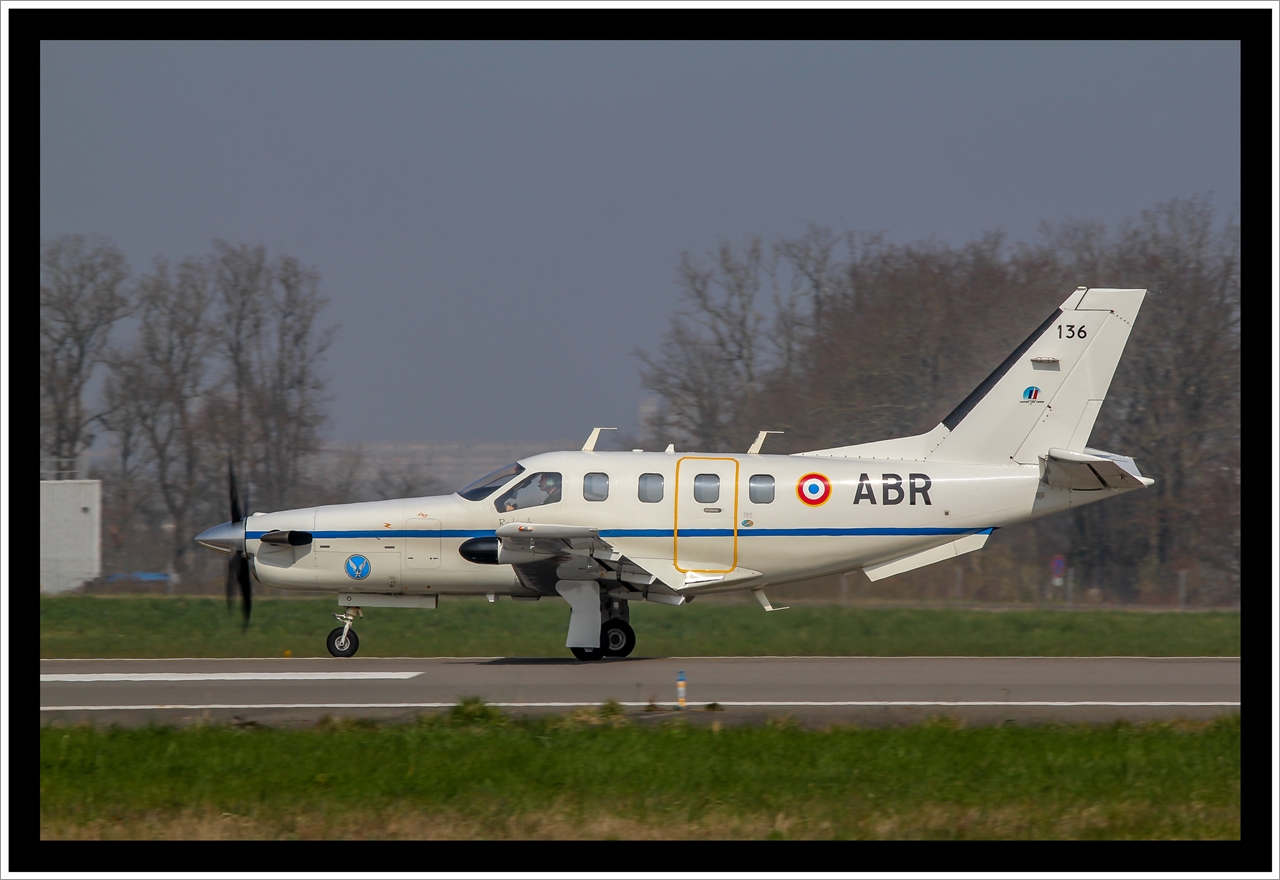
221	676
570	705
674	657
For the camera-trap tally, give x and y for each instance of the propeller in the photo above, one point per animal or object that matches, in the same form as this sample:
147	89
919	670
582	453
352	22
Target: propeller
238	562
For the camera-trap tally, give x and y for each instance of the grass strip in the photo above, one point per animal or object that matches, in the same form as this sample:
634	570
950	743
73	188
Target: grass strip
91	626
476	773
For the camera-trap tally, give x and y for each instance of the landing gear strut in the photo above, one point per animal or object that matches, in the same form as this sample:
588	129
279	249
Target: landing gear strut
343	641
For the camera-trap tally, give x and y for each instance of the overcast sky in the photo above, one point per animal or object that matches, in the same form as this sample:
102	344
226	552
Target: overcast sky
498	226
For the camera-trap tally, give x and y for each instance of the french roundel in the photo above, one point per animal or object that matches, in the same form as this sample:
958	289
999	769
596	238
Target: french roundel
813	489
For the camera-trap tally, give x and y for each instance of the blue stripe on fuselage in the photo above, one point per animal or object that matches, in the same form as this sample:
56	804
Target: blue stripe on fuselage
646	533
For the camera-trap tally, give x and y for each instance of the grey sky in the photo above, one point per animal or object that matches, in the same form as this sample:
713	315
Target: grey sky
498	225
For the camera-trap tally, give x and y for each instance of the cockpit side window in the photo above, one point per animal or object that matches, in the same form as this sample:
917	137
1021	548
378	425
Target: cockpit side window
490	483
533	491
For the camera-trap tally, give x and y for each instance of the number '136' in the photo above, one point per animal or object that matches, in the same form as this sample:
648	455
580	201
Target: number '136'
1073	332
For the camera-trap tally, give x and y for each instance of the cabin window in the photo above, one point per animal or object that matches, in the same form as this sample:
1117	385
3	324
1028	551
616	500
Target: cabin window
760	488
651	488
706	488
533	491
489	483
595	487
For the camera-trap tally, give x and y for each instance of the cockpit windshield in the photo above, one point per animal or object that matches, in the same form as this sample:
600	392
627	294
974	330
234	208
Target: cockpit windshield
490	483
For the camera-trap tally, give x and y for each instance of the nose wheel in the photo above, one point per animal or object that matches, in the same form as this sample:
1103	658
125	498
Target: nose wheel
343	644
343	641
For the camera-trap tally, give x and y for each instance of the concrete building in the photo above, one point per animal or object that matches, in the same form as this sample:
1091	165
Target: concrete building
70	533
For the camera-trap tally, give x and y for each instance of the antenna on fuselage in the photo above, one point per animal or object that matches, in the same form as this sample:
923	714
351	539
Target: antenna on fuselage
755	447
595	435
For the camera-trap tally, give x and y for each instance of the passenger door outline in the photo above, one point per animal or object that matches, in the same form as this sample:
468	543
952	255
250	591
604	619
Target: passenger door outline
702	544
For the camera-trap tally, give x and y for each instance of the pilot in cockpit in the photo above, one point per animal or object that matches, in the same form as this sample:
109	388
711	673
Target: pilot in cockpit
548	492
550	483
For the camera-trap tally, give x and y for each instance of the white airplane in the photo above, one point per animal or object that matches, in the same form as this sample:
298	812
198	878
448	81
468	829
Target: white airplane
604	529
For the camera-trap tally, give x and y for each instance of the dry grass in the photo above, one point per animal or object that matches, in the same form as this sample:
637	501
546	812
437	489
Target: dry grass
931	821
476	773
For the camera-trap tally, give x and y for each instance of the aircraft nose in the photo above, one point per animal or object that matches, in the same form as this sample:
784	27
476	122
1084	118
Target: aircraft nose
223	538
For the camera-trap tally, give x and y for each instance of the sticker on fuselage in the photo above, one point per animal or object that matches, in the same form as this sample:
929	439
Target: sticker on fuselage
358	567
813	489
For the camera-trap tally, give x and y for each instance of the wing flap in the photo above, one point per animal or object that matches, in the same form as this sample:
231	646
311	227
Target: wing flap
967	544
543	553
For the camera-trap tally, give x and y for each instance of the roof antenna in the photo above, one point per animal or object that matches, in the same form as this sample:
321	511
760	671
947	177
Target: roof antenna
590	445
671	447
755	447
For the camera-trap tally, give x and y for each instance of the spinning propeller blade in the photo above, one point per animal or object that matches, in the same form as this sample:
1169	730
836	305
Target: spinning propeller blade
238	563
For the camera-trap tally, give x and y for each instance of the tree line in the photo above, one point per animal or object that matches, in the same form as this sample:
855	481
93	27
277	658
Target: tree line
206	364
840	337
832	337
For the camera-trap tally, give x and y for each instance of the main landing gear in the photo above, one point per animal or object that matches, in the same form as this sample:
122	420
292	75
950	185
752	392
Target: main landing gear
617	639
343	641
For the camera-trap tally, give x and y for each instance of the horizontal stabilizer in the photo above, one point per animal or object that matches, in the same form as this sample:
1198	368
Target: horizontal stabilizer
967	544
1091	470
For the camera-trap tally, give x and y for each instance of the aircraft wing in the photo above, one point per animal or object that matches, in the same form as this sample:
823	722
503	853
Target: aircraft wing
543	553
1091	469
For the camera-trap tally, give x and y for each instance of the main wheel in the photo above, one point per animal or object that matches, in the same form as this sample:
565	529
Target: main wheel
617	638
588	653
343	647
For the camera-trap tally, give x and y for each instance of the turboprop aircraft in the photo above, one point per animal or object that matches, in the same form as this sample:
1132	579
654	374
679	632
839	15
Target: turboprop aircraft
604	529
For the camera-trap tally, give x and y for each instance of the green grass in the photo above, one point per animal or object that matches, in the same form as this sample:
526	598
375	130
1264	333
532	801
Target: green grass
89	626
477	773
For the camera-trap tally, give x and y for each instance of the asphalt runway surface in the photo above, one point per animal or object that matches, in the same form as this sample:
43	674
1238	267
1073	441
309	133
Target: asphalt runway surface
812	690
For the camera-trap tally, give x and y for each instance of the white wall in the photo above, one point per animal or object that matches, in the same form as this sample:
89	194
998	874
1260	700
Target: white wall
70	533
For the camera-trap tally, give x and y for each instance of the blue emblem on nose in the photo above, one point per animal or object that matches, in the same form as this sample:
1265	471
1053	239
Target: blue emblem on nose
358	567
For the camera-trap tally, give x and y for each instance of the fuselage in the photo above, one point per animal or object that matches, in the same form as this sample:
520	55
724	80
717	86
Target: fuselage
768	518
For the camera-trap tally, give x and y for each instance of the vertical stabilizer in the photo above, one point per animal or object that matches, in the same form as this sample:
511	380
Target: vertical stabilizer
1049	391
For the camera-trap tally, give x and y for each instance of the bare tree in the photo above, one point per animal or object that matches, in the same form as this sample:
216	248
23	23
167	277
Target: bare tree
82	295
709	365
288	392
241	278
1176	407
126	484
869	340
167	371
271	405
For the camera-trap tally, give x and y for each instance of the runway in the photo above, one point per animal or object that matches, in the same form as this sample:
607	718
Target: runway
813	690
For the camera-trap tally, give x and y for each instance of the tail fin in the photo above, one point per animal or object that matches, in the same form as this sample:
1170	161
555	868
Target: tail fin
1048	392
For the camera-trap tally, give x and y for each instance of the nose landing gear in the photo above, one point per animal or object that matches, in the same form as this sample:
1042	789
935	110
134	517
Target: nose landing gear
343	641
